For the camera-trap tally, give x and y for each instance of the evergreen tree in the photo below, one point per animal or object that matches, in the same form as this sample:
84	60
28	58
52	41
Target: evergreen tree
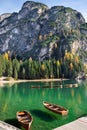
16	67
23	73
1	66
9	68
15	74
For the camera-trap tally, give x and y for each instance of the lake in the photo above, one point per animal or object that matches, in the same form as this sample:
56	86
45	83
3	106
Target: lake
30	96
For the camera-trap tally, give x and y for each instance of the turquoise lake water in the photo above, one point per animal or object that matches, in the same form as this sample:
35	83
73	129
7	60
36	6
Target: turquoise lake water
30	96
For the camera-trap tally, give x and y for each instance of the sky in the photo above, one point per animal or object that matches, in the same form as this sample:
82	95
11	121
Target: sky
10	6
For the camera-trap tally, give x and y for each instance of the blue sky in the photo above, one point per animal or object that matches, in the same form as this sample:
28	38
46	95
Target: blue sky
9	6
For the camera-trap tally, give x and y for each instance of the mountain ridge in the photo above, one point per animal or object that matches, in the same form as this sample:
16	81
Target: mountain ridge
42	33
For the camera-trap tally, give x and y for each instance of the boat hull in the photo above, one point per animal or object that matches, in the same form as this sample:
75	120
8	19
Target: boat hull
25	119
55	108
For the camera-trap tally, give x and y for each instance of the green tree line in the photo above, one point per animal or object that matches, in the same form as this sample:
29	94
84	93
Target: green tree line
68	67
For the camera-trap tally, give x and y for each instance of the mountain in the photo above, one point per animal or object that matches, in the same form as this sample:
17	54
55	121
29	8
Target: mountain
3	16
41	33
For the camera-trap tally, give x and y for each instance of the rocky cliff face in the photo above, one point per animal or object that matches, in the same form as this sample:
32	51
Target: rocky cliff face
41	33
3	16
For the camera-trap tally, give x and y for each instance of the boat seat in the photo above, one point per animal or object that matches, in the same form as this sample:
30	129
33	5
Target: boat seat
56	108
25	121
24	118
50	106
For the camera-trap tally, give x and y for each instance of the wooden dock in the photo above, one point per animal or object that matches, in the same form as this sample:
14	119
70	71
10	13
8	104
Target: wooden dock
79	124
6	126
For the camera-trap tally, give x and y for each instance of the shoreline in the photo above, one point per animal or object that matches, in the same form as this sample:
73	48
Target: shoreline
2	80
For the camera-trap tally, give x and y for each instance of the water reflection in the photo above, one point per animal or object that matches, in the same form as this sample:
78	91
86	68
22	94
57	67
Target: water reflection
23	96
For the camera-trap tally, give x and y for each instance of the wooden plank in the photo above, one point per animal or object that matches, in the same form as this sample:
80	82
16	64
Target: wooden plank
79	124
6	126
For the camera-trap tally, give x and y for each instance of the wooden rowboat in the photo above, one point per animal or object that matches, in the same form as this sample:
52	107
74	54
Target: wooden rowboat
25	119
55	108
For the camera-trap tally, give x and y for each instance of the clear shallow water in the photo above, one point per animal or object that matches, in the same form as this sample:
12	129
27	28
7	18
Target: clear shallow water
30	96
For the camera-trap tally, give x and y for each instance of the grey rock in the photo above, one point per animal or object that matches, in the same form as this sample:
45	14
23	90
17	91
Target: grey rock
35	30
